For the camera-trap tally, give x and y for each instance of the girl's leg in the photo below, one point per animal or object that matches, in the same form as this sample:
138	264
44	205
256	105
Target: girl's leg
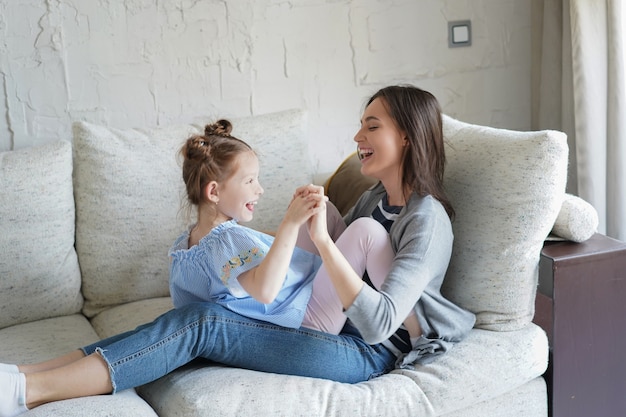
20	391
52	363
334	223
366	246
60	361
86	376
76	374
209	331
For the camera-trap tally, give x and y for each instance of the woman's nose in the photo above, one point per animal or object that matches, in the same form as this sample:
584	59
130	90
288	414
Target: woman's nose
358	137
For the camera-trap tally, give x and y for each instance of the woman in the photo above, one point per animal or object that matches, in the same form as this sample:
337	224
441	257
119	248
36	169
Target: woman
400	143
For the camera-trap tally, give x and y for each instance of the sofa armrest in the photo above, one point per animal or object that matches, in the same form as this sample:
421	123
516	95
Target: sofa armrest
581	305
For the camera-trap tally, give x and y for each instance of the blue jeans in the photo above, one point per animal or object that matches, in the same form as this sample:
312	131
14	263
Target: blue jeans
210	331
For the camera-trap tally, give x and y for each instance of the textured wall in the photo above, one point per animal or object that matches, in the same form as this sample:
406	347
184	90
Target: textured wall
131	63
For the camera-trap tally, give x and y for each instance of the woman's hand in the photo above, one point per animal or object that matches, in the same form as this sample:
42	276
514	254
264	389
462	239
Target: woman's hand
308	189
317	225
303	206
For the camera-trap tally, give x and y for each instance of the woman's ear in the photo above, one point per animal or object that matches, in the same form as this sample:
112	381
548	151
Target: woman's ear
211	192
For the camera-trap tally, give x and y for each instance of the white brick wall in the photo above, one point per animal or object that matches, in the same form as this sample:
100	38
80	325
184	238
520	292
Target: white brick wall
148	62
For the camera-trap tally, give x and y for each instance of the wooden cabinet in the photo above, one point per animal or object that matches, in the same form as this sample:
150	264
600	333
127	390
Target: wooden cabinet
581	304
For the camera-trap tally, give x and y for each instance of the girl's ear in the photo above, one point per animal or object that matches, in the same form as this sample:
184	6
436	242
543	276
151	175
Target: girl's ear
211	192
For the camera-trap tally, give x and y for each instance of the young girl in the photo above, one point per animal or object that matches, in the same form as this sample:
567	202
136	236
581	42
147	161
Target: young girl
249	272
400	143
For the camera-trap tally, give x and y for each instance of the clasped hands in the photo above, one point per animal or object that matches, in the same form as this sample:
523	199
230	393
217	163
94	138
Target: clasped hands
308	204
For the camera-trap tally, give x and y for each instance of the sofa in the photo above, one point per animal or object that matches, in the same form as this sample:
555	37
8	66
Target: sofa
86	224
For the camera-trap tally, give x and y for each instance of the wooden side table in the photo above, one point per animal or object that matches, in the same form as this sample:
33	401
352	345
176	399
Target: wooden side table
581	304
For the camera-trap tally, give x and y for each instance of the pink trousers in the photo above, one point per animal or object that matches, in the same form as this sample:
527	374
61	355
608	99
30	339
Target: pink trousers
366	246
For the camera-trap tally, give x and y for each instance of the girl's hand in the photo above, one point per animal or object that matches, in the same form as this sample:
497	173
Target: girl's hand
308	189
317	225
265	281
302	207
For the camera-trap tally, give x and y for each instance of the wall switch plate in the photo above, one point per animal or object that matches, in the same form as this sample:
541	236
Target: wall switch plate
459	33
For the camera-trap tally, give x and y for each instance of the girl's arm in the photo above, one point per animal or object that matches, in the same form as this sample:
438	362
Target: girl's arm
265	280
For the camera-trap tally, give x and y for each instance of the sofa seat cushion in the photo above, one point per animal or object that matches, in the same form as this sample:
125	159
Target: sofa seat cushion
123	404
44	339
39	273
527	400
128	189
125	317
484	366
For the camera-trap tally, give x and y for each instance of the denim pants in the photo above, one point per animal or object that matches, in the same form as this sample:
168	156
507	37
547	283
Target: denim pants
210	331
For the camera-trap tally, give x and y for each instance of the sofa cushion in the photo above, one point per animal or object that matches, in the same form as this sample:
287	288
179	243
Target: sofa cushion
450	383
577	220
44	339
39	273
123	404
527	400
128	191
125	317
507	188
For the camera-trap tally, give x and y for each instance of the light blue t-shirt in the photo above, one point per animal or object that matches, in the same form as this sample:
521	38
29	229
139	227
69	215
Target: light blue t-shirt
208	271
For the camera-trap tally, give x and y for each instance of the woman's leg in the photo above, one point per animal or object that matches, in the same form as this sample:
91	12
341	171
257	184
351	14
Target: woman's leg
334	224
366	246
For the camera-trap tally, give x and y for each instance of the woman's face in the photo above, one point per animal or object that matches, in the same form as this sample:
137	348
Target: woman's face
380	144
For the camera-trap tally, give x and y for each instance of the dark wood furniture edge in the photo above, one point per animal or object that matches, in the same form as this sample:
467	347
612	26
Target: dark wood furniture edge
581	304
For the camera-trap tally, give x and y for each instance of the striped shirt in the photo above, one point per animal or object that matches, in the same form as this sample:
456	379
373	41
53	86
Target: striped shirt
400	341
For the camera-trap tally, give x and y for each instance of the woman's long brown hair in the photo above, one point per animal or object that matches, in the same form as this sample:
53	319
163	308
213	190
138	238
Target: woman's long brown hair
418	114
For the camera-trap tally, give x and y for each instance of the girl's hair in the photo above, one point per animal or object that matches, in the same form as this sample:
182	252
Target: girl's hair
209	157
418	114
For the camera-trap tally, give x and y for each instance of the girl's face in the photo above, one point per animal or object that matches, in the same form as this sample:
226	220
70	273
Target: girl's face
380	144
238	195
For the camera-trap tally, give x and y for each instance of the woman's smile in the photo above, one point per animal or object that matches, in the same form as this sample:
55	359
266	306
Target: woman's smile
364	153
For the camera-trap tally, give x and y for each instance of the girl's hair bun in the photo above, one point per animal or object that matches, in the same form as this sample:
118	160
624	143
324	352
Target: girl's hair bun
220	128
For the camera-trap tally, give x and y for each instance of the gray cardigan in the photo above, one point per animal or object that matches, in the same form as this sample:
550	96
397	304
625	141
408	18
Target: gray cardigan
421	238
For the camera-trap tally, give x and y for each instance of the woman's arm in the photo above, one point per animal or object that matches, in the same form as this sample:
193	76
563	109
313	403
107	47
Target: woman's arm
346	282
264	281
422	240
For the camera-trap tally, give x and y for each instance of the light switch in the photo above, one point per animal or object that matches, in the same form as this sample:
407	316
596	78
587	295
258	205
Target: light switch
459	33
